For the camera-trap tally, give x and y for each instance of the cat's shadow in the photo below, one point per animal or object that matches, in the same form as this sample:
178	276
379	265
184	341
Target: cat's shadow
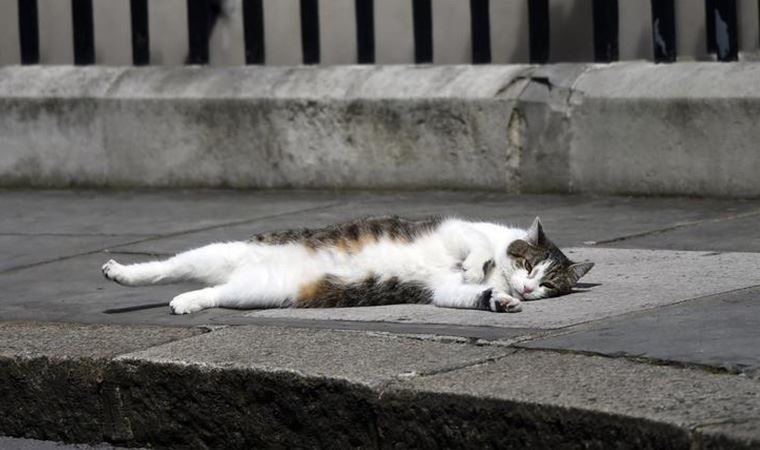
583	287
133	308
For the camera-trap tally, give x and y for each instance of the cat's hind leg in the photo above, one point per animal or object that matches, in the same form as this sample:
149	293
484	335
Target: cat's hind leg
255	287
211	265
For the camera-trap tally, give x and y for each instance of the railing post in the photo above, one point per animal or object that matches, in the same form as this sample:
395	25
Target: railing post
140	37
606	26
198	31
721	27
538	24
365	31
28	32
83	30
310	31
422	15
480	29
664	30
253	29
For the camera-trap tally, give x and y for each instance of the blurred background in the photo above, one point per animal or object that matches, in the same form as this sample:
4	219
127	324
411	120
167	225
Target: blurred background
569	32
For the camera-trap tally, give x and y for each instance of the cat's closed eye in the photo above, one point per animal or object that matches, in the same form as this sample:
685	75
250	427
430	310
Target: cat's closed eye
547	285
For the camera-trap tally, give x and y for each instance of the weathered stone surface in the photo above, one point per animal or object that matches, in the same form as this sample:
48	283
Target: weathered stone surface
53	378
74	290
357	357
568	220
678	129
62	340
67	213
368	127
23	250
721	330
622	128
243	387
34	444
736	235
682	397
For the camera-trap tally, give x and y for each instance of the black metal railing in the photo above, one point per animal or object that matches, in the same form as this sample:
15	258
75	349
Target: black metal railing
721	30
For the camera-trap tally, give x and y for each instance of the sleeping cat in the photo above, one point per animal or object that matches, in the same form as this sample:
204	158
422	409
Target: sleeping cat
448	262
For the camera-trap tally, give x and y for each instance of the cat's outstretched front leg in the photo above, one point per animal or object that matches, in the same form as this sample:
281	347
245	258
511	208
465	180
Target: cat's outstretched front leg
451	292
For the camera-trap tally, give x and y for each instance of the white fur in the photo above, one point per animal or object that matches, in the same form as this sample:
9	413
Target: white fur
449	260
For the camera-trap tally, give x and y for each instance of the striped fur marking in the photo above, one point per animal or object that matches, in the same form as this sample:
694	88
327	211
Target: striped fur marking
332	292
351	236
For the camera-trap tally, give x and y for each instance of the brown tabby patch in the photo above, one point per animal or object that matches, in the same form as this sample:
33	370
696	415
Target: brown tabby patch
332	292
351	236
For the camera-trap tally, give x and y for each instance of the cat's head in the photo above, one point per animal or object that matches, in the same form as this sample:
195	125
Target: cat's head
539	269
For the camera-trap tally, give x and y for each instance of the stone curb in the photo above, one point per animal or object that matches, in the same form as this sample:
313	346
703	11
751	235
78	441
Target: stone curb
172	396
626	128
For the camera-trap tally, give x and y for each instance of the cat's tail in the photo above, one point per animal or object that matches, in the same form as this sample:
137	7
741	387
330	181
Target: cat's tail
333	292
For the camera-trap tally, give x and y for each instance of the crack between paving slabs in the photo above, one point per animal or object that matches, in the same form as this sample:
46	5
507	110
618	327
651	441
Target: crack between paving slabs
640	359
582	327
422	331
676	226
402	379
168	235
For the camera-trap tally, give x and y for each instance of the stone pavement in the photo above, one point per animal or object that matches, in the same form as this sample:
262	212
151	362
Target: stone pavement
658	347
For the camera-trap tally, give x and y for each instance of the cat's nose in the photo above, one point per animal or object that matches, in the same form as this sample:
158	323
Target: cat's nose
527	290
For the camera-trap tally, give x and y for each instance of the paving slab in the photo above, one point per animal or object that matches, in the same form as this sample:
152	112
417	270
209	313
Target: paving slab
721	330
740	234
22	250
58	340
9	443
623	280
569	220
142	212
358	357
74	290
730	434
684	397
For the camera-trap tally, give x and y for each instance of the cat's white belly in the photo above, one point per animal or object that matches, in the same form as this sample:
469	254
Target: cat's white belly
419	261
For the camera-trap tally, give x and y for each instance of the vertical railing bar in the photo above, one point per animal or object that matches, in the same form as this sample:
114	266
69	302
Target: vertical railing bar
83	32
538	26
28	32
726	30
422	17
606	30
480	30
138	10
365	31
664	30
253	29
710	26
198	31
310	31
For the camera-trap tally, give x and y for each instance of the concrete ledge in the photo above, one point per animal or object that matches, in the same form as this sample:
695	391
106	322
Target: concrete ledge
336	389
628	128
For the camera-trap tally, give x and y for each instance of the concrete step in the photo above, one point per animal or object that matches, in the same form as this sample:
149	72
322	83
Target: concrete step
244	387
625	128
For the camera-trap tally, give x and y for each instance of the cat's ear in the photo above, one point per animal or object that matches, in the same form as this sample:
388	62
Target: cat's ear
577	270
536	234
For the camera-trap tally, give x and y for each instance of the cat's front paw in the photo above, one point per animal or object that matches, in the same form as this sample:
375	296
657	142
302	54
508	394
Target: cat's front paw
496	301
114	272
